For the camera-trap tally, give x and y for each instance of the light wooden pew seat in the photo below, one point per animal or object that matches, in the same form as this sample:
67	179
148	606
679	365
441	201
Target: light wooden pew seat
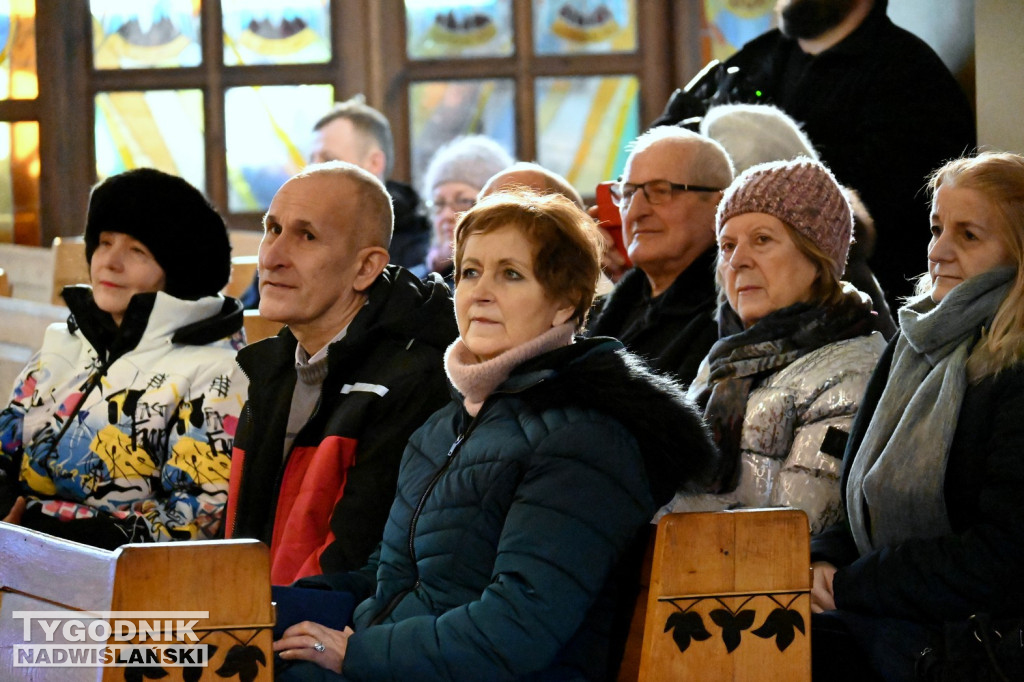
258	328
729	598
242	270
229	579
22	327
69	265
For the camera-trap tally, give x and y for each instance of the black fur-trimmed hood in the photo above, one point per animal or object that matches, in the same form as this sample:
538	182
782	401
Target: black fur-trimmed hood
600	374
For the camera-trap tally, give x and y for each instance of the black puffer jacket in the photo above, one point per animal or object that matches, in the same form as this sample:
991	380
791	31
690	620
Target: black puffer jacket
323	507
674	331
509	530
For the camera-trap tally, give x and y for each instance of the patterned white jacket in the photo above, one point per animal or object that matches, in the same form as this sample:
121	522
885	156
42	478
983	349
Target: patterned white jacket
128	430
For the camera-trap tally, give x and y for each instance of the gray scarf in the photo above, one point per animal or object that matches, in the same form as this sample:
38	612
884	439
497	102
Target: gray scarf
895	489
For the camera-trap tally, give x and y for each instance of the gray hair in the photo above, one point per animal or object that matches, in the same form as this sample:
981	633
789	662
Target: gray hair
470	159
710	165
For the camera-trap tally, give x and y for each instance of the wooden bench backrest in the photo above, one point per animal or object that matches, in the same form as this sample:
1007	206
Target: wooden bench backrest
729	598
229	579
242	270
69	265
258	328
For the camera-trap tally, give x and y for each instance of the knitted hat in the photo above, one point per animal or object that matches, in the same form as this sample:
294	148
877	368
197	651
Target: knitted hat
185	234
801	193
756	133
471	159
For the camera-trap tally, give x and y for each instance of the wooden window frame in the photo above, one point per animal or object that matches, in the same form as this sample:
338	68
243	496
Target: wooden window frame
655	21
360	63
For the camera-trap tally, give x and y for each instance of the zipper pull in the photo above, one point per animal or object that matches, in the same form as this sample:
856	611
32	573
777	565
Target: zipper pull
456	444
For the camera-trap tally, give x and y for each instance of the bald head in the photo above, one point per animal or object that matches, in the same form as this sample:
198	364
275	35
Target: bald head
359	192
532	176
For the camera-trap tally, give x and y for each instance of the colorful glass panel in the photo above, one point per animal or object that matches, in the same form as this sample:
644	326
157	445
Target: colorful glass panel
145	34
272	32
583	126
584	26
18	77
731	23
268	132
19	182
470	28
442	110
160	129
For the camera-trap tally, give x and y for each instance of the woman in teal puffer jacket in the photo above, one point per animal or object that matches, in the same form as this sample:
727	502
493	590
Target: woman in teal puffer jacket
514	529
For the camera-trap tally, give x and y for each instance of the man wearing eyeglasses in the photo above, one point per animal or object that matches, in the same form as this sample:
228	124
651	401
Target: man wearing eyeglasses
663	308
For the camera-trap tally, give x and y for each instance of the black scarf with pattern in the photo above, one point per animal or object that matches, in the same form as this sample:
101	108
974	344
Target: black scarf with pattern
742	357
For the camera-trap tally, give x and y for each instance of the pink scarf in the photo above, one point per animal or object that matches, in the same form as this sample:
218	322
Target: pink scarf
476	380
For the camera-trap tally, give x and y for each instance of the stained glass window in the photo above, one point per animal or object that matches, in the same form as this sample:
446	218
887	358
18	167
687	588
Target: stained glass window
131	34
730	24
442	110
160	129
583	125
275	32
447	28
18	78
268	132
584	26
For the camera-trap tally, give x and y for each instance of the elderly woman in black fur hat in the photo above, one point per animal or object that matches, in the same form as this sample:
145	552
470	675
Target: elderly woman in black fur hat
120	429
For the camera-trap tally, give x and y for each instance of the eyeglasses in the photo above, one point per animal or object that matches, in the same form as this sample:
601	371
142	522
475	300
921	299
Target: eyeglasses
457	205
656	191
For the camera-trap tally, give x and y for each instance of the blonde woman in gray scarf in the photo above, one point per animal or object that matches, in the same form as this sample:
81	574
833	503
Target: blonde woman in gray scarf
926	580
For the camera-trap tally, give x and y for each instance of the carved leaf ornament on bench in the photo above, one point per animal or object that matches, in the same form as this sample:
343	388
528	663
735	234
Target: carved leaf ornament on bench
688	625
243	660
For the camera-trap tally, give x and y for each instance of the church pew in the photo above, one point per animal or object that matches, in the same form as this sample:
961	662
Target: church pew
729	598
229	580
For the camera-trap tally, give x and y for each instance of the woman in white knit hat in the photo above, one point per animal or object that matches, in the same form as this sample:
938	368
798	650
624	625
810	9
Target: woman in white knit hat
454	177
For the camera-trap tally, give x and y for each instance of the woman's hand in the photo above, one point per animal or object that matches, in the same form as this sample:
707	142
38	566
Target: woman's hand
822	598
309	641
14	516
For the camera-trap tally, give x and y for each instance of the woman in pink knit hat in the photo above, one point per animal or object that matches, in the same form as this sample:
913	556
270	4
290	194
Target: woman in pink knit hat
796	344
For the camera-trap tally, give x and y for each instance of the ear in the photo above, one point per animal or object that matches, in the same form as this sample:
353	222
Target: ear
376	163
563	315
371	260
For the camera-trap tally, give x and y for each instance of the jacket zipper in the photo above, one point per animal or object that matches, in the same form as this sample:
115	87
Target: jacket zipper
456	446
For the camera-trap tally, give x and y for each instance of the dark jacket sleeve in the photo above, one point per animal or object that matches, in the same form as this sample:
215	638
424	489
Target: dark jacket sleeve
370	487
977	569
360	583
575	511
